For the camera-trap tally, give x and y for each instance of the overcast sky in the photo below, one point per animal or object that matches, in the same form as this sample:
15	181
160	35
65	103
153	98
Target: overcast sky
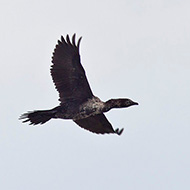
130	48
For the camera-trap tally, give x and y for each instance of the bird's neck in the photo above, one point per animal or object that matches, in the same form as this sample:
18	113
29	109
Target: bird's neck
114	103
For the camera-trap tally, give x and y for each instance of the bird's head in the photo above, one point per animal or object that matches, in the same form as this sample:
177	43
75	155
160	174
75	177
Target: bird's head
126	102
118	103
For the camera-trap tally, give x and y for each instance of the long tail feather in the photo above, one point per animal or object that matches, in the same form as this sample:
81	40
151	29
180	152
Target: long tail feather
38	117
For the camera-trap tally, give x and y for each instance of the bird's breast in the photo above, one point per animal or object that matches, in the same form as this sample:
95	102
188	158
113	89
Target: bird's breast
91	107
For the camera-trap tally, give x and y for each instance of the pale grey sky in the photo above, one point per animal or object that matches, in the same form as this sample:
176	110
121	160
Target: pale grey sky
130	48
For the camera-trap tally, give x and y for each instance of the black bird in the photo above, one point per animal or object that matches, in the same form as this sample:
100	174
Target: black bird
77	100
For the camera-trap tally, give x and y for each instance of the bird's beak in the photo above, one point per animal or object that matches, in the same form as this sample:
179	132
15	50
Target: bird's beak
135	103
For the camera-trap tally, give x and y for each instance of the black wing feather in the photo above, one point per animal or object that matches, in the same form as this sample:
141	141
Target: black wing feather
67	72
96	124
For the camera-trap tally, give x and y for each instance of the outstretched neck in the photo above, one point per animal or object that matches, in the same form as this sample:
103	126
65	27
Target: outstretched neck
118	103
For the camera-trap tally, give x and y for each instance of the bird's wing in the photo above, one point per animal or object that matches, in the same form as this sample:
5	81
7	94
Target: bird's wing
67	72
97	124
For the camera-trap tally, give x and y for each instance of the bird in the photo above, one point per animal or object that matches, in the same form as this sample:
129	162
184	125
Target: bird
77	101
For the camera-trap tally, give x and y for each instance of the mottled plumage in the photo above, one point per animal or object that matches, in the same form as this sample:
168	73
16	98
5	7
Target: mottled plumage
77	101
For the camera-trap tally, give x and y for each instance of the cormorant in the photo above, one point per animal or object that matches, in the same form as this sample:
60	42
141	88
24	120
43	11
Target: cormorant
77	100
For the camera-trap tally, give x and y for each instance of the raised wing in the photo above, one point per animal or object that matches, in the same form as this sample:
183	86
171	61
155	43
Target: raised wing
97	124
67	72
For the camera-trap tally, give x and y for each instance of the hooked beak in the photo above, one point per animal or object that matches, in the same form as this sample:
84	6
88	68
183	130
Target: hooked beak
135	103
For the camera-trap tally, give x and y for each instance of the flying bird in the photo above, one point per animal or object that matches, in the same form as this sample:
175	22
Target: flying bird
77	101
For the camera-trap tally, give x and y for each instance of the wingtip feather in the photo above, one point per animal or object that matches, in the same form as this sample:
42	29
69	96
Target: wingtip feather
73	39
78	44
68	39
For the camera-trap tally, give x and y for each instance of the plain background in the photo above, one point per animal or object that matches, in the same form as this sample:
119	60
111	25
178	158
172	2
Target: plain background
130	48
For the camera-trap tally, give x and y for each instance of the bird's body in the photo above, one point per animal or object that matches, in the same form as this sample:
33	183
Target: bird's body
89	108
77	100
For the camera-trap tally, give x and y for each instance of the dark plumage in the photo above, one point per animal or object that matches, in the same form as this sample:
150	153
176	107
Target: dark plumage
77	100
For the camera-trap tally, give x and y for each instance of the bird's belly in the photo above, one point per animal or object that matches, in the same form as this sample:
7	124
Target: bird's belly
91	107
80	115
65	115
86	113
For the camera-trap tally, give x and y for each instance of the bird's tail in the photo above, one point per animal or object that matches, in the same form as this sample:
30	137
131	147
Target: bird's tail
38	117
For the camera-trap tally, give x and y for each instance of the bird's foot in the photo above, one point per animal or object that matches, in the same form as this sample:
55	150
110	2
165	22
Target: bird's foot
119	131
